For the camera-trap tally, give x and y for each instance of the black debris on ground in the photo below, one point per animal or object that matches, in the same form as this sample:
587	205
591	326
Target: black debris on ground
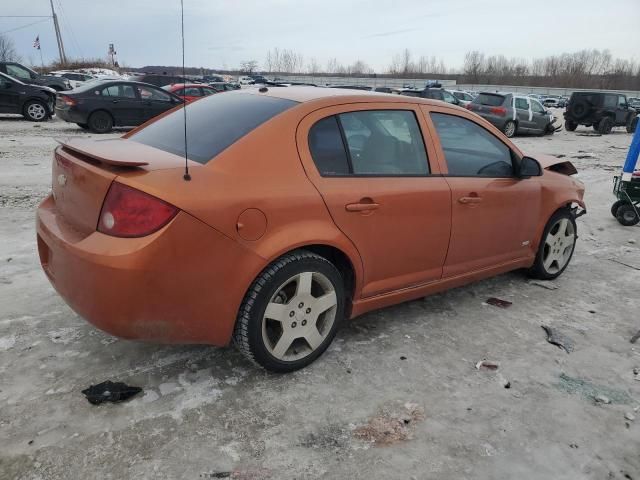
496	302
556	338
110	392
635	338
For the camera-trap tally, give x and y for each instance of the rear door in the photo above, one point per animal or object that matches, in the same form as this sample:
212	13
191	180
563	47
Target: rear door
154	100
382	188
494	213
122	101
9	96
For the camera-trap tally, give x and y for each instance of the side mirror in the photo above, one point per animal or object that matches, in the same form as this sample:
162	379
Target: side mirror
529	167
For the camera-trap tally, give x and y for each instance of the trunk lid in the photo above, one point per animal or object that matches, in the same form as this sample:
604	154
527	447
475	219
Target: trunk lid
84	169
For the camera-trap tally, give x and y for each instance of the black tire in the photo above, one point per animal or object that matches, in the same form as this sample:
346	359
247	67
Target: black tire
510	128
84	126
570	125
595	127
615	206
538	270
605	125
100	122
627	215
35	111
632	124
248	332
580	109
549	129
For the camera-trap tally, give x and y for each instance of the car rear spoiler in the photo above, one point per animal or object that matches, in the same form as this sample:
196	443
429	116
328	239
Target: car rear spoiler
110	151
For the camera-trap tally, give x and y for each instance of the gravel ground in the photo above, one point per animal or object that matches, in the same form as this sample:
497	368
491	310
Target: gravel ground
397	396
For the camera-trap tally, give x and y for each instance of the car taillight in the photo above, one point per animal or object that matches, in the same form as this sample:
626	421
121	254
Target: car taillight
499	111
127	212
68	101
470	106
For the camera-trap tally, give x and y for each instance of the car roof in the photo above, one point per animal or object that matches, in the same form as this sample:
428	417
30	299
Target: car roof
332	96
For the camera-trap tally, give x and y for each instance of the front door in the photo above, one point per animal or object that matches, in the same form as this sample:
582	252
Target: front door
381	187
541	118
622	111
494	214
524	114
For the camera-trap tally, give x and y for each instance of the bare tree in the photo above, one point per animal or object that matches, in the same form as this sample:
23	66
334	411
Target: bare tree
474	65
8	51
248	66
313	66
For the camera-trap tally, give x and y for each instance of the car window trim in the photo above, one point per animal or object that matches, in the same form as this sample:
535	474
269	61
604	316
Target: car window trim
348	152
515	158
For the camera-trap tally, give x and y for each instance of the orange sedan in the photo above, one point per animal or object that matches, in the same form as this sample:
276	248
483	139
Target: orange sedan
304	207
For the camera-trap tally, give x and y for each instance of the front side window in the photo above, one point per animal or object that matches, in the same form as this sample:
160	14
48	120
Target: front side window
448	97
18	72
470	150
622	101
536	107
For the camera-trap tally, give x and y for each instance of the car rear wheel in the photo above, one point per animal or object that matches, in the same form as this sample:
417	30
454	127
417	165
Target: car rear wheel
291	312
570	126
100	122
605	125
35	111
557	245
627	215
509	128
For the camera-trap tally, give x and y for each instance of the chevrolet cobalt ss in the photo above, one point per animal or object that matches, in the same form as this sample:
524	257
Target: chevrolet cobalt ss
305	207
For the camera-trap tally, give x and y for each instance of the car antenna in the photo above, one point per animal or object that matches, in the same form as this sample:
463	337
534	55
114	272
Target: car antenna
186	175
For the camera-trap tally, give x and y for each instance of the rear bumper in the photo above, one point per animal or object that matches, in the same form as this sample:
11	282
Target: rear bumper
182	284
496	121
70	116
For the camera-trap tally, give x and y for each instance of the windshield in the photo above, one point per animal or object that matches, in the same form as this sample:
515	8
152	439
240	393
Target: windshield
13	79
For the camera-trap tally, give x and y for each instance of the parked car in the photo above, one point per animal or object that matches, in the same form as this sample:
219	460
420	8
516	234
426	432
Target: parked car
258	78
513	114
190	91
383	89
634	103
306	207
551	102
33	102
30	77
463	97
100	106
432	93
158	80
213	78
245	80
76	79
224	86
600	110
352	87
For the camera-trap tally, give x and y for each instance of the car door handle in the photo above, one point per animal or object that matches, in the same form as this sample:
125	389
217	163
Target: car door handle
470	200
114	101
362	206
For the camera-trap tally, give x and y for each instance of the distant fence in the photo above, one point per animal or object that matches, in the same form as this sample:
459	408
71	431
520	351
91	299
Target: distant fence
450	84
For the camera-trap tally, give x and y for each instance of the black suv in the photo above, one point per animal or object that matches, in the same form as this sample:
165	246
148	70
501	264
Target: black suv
26	75
34	102
601	110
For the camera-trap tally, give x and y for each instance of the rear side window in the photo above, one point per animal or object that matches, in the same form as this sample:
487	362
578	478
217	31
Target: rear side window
369	143
470	150
122	91
489	99
213	124
327	149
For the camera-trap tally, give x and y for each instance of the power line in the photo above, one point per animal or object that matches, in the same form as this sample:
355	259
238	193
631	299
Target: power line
25	16
67	23
25	26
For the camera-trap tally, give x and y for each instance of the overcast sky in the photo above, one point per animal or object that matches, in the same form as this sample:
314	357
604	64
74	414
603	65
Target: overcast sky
222	33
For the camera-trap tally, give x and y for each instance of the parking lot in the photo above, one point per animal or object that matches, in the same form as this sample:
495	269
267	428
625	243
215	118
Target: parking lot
397	395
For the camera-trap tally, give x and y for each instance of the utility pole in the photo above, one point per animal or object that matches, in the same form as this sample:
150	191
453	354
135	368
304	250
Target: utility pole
63	57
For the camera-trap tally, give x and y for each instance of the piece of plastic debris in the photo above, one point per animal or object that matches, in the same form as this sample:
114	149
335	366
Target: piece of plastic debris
635	338
544	284
110	392
496	302
403	357
487	365
630	416
556	338
602	399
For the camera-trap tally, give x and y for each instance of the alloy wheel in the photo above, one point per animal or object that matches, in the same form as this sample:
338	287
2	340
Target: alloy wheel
36	111
299	316
558	246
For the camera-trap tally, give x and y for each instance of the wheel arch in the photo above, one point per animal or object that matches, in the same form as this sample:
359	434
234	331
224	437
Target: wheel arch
113	119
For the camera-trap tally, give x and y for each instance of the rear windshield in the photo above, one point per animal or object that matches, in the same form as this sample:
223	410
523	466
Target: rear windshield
489	99
213	124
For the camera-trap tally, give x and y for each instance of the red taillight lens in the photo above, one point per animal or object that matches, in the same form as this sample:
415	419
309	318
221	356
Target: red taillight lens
499	111
127	212
68	101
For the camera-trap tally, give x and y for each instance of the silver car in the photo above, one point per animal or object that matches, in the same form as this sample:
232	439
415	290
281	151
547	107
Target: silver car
513	113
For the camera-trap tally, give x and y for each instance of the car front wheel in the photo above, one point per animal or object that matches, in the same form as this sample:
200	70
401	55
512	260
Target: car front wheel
35	111
291	312
557	245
